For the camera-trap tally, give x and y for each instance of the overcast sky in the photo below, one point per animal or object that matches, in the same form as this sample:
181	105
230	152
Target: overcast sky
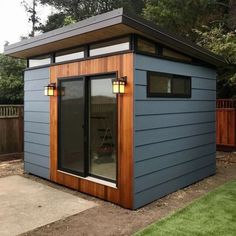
14	20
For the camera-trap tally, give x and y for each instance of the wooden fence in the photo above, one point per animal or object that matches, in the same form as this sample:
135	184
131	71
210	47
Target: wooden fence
226	124
11	129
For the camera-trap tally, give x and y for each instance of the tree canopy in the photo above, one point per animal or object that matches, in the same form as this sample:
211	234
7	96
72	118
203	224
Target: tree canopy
208	23
11	80
76	10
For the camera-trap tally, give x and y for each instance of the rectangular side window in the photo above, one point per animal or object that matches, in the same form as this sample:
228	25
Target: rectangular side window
146	46
117	45
168	85
69	55
39	61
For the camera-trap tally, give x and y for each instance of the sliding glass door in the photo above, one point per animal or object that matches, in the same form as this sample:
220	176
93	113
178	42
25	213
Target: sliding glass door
71	126
88	127
103	128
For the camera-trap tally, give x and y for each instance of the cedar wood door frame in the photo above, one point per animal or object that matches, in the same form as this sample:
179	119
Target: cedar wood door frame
123	193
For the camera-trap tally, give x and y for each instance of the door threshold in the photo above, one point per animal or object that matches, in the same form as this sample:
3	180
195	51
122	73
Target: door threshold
92	179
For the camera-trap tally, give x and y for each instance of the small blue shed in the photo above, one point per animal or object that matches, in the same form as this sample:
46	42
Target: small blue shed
129	111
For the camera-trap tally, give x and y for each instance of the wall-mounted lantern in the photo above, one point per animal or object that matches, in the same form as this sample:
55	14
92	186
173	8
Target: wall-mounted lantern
49	90
118	85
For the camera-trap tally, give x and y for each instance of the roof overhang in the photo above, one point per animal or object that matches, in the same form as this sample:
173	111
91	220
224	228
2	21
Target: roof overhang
108	25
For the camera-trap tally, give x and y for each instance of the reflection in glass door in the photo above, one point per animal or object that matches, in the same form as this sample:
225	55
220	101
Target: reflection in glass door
102	128
71	125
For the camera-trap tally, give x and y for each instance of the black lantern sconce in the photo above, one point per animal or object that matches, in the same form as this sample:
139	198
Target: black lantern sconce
118	85
49	90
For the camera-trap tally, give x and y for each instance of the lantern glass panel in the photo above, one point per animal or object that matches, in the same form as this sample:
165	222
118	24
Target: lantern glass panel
115	86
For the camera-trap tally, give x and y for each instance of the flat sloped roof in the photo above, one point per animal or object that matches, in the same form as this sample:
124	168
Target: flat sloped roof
108	25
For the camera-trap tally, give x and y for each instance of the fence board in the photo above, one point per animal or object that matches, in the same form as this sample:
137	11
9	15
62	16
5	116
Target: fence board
11	129
226	124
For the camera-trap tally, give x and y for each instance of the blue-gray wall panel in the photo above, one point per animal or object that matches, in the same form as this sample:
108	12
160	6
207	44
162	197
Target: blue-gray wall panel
163	107
36	126
161	176
39	128
34	85
37	149
153	64
37	159
37	74
38	117
164	134
148	166
158	121
174	137
36	96
175	145
203	83
36	170
159	191
37	138
37	106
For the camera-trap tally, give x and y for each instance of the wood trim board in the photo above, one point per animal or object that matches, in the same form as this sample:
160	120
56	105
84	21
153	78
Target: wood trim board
123	194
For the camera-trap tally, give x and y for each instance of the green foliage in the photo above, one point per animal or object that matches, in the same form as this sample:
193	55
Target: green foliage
11	80
222	43
76	10
181	17
54	21
209	23
218	41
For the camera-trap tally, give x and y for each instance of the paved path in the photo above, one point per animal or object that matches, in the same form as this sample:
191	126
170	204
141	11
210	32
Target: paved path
26	205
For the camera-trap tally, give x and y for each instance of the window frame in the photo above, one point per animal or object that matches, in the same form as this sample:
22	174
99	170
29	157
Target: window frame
171	94
158	49
109	44
64	53
86	173
47	56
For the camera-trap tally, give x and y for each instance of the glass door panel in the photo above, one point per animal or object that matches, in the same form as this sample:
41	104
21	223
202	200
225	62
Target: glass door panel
102	128
71	126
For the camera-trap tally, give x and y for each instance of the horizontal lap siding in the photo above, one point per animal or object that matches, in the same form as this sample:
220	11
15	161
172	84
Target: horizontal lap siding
36	126
174	137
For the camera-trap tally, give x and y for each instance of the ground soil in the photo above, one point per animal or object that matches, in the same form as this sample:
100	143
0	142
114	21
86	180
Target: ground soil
109	219
11	165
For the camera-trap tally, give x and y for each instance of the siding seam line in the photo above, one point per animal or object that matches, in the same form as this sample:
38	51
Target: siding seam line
182	150
46	168
37	154
174	126
167	140
204	167
36	143
176	113
181	163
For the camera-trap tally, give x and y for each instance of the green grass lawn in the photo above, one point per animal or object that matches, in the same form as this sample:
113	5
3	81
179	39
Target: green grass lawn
213	214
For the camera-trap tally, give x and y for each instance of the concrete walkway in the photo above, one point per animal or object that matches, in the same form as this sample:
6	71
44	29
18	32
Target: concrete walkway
26	205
